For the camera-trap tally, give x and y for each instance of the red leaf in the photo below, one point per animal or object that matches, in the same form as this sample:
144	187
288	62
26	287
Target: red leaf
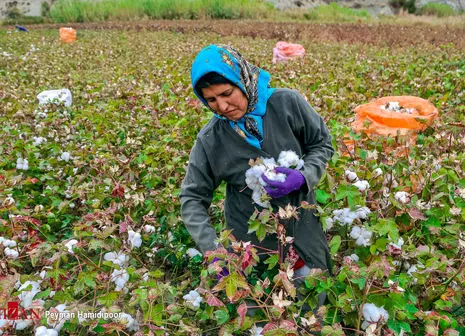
118	191
213	301
241	311
416	214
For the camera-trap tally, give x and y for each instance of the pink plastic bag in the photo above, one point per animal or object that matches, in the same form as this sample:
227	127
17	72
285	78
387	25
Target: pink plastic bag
285	51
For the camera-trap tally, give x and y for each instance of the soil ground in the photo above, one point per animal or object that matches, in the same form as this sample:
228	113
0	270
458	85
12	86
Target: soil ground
372	34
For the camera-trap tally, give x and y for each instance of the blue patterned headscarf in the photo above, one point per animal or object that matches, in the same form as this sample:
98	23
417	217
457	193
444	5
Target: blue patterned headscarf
253	81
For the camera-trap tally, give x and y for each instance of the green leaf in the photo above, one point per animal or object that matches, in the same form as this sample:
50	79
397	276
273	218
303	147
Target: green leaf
335	244
221	316
108	299
322	196
272	261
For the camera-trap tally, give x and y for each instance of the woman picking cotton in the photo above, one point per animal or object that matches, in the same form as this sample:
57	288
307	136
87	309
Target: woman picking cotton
254	121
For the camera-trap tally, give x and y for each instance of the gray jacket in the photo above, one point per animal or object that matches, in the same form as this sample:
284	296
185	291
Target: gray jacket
220	154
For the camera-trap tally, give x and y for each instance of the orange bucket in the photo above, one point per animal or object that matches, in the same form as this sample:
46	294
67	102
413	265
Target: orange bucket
67	34
394	115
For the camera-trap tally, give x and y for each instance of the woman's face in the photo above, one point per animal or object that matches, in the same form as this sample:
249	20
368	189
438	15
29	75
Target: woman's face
226	100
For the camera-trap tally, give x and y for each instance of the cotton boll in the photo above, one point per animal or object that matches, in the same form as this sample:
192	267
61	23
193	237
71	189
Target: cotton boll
350	175
289	159
119	258
374	314
362	212
43	331
130	323
22	324
9	201
65	156
70	244
402	197
119	277
8	243
361	235
26	296
10	253
192	252
272	175
22	164
377	172
329	223
134	238
192	299
149	228
362	185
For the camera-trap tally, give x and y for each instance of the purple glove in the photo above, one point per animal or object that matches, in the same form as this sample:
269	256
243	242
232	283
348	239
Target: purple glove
294	181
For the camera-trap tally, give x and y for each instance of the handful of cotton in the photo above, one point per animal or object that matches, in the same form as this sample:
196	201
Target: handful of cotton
266	166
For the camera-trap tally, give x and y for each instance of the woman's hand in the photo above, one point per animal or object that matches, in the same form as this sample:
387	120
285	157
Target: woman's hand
294	181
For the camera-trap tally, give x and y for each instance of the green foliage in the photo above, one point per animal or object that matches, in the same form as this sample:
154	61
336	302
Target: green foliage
336	13
408	5
437	9
87	11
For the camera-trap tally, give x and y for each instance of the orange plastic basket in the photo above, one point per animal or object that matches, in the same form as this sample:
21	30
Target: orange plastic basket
409	114
67	34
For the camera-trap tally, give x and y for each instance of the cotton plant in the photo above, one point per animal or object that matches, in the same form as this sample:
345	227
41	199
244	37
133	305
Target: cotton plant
266	166
119	258
28	290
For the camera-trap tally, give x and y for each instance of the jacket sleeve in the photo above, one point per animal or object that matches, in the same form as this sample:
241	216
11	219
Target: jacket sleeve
196	196
316	141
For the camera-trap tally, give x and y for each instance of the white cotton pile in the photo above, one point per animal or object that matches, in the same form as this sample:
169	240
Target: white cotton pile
346	216
253	175
119	258
289	159
192	299
120	277
361	235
